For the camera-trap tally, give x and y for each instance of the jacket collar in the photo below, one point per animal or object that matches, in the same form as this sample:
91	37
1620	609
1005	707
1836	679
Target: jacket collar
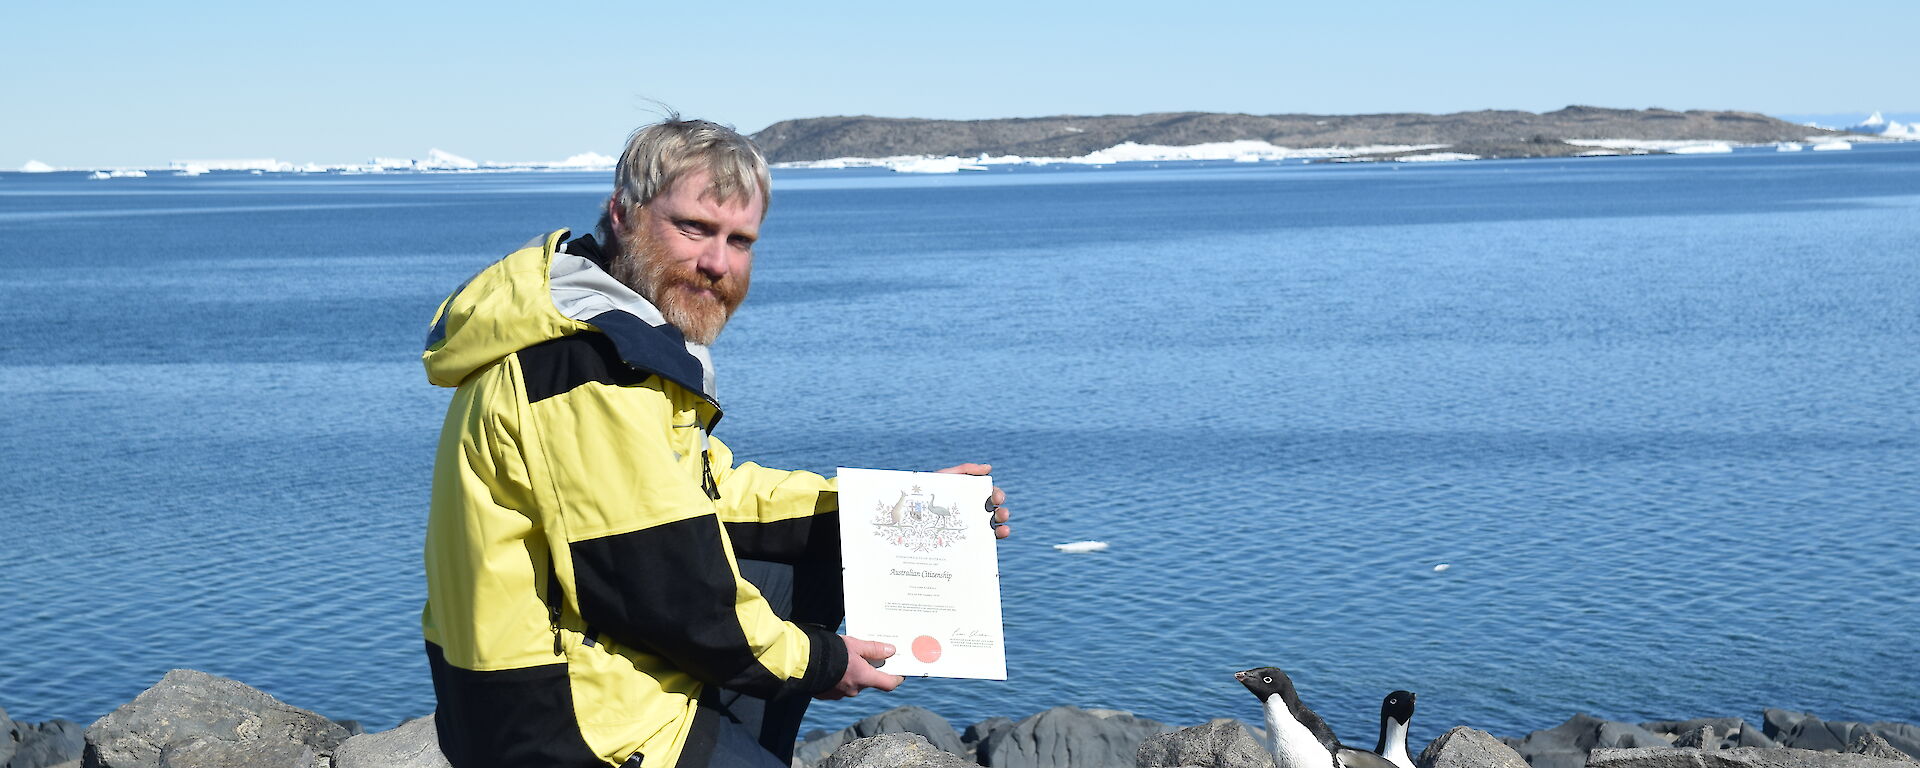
584	290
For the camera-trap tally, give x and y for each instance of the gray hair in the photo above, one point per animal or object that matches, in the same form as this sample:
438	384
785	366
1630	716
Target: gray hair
657	155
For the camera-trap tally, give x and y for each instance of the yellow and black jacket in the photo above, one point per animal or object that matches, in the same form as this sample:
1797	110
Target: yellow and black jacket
582	587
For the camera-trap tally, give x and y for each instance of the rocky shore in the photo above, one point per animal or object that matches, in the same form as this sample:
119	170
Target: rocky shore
192	719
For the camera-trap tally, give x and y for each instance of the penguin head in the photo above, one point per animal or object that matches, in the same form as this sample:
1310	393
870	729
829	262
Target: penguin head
1264	682
1398	706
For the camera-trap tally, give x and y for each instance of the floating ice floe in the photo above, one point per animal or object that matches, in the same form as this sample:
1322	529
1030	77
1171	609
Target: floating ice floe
1435	157
122	174
236	164
1788	146
1081	546
1442	567
1831	146
1702	148
191	170
936	165
35	166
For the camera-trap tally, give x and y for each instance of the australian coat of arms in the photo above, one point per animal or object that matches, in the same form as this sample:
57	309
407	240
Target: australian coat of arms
917	521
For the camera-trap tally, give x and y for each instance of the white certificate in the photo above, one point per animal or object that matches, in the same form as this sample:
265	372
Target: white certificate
922	571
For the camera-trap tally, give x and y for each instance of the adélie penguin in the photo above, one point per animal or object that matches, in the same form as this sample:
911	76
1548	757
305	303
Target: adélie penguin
1297	737
1395	710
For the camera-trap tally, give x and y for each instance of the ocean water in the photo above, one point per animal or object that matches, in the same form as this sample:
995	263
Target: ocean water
1661	416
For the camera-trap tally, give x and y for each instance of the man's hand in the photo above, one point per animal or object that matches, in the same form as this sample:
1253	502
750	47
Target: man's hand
860	672
996	503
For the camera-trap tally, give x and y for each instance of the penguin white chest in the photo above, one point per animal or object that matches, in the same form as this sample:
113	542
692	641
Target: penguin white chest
1293	746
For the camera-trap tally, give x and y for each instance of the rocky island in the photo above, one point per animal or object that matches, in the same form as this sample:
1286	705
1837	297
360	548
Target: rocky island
191	719
1486	133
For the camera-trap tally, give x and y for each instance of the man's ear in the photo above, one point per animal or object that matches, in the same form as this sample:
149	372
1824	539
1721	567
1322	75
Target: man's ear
614	215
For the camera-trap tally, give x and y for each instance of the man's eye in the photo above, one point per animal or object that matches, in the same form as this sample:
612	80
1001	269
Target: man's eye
741	243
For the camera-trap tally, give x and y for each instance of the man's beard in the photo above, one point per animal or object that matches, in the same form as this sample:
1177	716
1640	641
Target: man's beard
676	289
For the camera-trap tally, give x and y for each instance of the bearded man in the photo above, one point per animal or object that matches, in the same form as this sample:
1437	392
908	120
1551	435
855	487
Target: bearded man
604	585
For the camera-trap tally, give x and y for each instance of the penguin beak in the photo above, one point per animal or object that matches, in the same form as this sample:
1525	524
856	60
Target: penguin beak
1242	676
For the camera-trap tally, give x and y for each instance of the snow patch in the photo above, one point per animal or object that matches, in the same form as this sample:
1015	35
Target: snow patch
1244	151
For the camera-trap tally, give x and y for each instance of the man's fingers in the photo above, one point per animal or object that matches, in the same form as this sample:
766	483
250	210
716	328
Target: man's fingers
999	496
1000	514
968	469
886	682
1002	531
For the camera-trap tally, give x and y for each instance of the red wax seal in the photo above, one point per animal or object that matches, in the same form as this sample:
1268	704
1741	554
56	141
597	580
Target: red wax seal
926	649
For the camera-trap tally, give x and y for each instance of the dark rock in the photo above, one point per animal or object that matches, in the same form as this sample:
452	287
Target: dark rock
1744	757
894	750
1866	742
1464	747
1220	743
45	744
192	718
932	727
1069	737
1566	745
979	731
414	744
1804	731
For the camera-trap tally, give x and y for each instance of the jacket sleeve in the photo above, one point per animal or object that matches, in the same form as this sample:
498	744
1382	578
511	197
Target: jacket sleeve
652	566
783	516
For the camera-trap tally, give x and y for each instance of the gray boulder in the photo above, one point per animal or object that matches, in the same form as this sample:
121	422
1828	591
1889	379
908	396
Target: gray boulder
1744	757
414	744
1799	729
192	719
1220	743
978	732
894	750
933	728
1464	747
44	744
1566	745
1868	743
7	737
1070	737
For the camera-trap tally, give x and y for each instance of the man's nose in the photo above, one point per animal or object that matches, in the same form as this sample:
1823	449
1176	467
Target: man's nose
712	261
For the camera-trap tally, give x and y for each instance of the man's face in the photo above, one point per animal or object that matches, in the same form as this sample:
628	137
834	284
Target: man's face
690	254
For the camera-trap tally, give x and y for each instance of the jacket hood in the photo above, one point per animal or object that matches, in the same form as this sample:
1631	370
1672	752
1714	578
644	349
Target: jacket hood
550	288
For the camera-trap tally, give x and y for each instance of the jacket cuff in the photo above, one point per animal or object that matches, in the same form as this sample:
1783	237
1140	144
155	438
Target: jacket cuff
826	659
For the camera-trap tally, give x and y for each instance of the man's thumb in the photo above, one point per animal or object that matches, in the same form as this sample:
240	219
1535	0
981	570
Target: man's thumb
872	650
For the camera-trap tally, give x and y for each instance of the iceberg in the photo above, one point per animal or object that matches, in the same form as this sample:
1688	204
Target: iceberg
35	166
99	175
1081	546
1788	146
935	165
1878	125
244	164
440	159
1830	146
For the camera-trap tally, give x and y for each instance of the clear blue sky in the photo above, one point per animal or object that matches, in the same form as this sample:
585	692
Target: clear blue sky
124	83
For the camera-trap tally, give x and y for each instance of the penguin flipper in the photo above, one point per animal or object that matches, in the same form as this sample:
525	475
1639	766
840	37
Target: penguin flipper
1348	757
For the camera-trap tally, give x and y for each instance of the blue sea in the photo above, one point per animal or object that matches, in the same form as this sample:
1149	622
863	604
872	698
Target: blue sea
1660	416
